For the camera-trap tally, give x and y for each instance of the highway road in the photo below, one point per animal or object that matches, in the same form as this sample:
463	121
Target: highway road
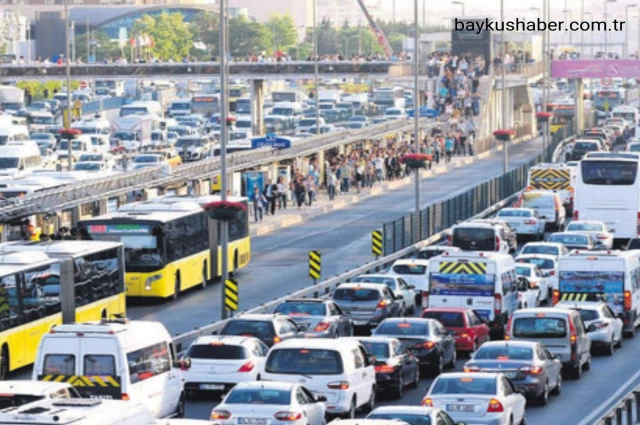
279	260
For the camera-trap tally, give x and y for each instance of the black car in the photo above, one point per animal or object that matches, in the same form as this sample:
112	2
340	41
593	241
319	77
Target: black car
396	367
268	328
581	148
427	339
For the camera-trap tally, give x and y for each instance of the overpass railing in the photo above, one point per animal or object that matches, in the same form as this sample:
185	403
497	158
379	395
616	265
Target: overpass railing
102	105
493	192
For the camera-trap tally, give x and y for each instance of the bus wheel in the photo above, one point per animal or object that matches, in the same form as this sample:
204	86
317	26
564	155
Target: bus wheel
176	292
204	276
4	363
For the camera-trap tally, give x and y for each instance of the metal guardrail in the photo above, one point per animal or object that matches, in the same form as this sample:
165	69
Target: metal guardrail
413	227
102	104
325	287
94	189
625	412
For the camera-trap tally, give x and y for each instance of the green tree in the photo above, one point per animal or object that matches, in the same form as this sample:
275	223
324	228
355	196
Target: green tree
328	42
283	31
206	29
246	37
99	43
172	38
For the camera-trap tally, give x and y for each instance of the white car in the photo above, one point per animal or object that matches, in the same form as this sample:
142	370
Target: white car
414	271
597	229
528	294
478	398
546	248
603	327
270	403
397	285
633	146
536	277
410	414
217	363
548	265
17	393
431	251
340	370
524	221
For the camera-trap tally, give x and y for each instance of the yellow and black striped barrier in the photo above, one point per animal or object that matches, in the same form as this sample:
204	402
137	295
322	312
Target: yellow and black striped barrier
376	243
83	381
231	296
454	267
551	179
315	265
578	297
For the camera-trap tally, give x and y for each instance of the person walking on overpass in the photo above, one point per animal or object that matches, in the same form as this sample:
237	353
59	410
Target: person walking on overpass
448	148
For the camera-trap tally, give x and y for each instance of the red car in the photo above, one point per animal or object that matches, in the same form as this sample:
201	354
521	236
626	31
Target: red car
469	329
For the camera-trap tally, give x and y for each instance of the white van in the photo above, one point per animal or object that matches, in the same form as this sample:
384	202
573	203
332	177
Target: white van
142	107
609	276
16	393
414	272
93	125
343	373
13	133
78	412
482	281
19	159
115	359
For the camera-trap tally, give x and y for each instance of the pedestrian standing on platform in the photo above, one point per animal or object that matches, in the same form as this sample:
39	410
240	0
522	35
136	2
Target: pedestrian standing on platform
310	187
270	192
282	194
299	191
332	180
258	205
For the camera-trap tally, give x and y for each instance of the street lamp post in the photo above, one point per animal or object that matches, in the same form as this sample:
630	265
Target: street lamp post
504	90
224	133
626	33
67	59
461	3
606	24
316	72
545	57
416	106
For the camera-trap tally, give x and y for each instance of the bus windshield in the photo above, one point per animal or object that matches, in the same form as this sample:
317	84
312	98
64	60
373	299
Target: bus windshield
142	246
609	173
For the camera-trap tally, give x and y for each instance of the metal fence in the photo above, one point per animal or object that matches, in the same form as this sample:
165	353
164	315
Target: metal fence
102	104
625	412
414	227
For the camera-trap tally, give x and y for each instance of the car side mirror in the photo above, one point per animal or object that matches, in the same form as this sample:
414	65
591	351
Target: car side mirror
399	297
544	217
320	399
591	328
612	230
412	286
183	363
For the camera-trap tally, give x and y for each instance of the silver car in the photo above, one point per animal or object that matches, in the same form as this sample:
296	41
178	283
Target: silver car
398	285
368	303
529	365
317	318
603	326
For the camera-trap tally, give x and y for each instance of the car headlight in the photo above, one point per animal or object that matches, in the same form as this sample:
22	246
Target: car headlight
150	280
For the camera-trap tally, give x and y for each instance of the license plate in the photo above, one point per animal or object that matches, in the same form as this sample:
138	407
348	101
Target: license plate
360	322
252	421
211	387
459	408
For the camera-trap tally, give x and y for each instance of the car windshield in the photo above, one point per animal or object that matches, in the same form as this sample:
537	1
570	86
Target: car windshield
588	315
301	309
356	294
449	319
410	269
634	244
217	351
380	350
402	328
586	146
429	253
542	263
15	400
403	417
464	385
569	239
90	157
389	282
503	352
514	213
6	163
40	136
474	239
535	200
539	327
86	166
523	271
609	173
75	146
146	158
258	396
124	135
540	249
304	361
249	328
585	227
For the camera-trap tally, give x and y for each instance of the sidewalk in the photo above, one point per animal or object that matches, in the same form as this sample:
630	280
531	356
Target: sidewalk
293	216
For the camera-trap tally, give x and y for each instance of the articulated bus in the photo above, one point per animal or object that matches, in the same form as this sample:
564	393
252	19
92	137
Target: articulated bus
171	244
43	284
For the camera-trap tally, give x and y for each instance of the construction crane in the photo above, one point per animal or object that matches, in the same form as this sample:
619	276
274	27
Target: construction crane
377	31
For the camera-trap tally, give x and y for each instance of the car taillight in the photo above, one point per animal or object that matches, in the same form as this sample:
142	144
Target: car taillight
531	370
288	416
247	367
530	222
472	369
385	369
497	304
322	326
602	237
382	304
425	345
507	332
220	414
552	273
427	402
425	299
576	215
556	297
125	397
449	240
495	406
572	332
338	385
277	339
627	300
497	243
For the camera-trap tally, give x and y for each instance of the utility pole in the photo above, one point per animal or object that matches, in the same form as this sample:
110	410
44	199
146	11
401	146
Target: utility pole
505	144
545	59
416	106
316	71
68	72
224	133
88	34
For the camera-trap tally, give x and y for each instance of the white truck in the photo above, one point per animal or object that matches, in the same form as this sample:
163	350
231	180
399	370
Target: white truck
11	99
134	131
